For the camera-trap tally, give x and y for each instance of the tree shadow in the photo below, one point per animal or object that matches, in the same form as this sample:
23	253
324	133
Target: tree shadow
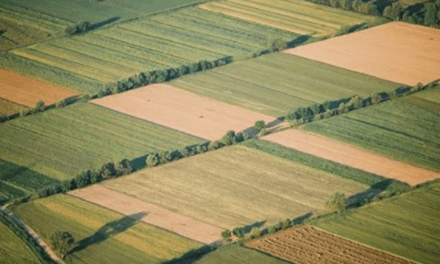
192	256
298	41
300	219
361	198
103	23
2	31
248	228
108	230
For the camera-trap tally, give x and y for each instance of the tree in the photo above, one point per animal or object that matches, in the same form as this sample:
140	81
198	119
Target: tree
263	132
39	106
85	98
342	108
238	232
337	201
226	234
259	125
165	156
271	229
213	145
60	104
356	5
255	233
62	242
431	14
124	167
152	160
228	137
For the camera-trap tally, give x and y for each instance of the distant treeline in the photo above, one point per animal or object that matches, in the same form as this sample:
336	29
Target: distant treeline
427	13
327	109
21	232
125	166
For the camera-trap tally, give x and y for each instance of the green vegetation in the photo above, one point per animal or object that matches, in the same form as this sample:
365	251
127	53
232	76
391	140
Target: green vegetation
104	58
8	108
238	255
102	236
62	142
406	225
235	186
276	83
404	128
13	249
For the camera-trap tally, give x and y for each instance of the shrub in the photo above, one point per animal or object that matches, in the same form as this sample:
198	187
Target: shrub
259	125
238	232
226	234
60	104
152	160
213	145
264	132
271	229
337	201
255	233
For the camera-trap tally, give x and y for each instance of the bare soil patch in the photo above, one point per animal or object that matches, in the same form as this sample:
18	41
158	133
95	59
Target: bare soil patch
351	156
27	91
181	110
155	215
398	52
307	245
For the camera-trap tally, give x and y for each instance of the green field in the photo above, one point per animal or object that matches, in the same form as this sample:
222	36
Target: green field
13	250
276	83
297	16
101	235
237	255
21	26
61	143
162	41
406	225
405	129
235	186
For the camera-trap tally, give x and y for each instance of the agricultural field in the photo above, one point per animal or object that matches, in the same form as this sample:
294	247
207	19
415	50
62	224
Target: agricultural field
352	156
61	143
178	224
300	17
9	108
237	255
375	52
101	235
406	225
309	245
20	26
13	249
405	129
26	91
235	186
183	111
276	83
167	40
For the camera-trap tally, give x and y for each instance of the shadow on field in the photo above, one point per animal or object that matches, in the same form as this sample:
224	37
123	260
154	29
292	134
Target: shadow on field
248	228
192	256
103	23
360	198
300	219
298	41
108	230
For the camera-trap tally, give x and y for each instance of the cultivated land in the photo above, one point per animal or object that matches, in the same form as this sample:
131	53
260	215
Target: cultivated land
60	143
405	129
308	245
275	83
406	225
27	91
181	110
13	249
160	217
20	26
9	108
300	17
352	156
235	186
374	52
102	236
163	41
97	12
238	255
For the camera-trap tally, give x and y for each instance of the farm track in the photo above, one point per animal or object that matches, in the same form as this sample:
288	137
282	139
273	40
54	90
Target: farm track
349	155
34	235
307	245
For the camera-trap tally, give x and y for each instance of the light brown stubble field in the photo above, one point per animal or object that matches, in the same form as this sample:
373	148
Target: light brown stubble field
183	111
397	52
348	155
308	245
27	91
155	215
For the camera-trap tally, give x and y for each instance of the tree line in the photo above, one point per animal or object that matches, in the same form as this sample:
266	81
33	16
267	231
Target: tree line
427	13
328	109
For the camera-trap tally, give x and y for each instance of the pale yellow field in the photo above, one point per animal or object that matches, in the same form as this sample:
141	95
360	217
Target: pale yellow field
397	52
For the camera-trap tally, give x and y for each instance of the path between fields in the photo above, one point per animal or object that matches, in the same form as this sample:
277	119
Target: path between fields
349	155
34	235
157	216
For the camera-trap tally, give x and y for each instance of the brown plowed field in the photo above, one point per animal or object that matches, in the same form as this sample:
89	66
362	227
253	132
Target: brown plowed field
9	108
351	156
181	110
396	52
27	91
306	245
155	215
